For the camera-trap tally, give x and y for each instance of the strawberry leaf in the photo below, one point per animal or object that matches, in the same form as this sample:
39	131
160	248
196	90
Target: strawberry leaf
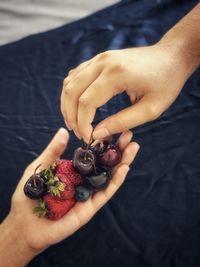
41	209
56	188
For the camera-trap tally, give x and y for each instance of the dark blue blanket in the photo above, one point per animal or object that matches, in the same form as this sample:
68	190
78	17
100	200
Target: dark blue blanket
154	219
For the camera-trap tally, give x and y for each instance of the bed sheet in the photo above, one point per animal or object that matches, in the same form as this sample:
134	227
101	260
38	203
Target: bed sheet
154	219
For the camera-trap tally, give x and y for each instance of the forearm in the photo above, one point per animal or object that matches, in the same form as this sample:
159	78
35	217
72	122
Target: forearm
184	41
14	252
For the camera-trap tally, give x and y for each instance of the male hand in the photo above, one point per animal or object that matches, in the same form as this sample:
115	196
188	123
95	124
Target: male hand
151	76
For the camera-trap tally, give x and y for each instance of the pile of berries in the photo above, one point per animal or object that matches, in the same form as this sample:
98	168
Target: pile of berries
65	182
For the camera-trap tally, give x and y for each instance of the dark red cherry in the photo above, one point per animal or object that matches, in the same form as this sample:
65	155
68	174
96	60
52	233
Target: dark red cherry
84	160
35	187
98	180
110	155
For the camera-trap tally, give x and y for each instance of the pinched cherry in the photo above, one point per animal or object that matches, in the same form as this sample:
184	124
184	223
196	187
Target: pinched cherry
84	160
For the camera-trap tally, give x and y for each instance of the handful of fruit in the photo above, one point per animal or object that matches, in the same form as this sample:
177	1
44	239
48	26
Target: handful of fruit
59	187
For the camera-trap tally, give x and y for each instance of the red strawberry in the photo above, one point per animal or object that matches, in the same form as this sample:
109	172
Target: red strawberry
67	174
57	208
65	179
68	193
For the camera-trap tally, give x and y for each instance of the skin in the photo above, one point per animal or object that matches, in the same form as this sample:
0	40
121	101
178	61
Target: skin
151	76
24	235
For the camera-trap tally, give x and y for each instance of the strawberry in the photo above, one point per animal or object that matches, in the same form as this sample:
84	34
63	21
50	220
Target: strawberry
57	208
67	174
61	180
68	192
64	179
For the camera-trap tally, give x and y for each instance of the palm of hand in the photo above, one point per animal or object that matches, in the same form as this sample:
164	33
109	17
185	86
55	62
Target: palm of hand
40	233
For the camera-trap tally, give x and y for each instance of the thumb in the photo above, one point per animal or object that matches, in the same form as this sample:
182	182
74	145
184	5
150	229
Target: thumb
143	111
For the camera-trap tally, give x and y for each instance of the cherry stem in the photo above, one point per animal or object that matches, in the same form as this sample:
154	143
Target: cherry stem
34	180
37	168
88	145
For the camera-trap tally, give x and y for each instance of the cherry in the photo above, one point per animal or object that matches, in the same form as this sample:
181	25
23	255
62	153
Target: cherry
35	187
84	160
111	156
99	179
108	154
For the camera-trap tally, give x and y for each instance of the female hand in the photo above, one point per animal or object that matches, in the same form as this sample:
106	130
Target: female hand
151	76
24	235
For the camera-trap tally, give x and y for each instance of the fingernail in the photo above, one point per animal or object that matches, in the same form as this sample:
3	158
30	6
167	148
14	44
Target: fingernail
137	146
63	134
61	129
101	133
69	128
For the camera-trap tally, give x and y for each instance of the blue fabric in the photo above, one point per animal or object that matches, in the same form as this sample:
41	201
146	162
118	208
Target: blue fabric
154	219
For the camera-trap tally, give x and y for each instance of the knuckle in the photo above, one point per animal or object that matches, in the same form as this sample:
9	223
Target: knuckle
65	81
153	111
77	80
83	101
104	55
71	71
116	69
81	65
68	90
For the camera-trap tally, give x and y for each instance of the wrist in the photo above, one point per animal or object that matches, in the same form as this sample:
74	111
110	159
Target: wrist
183	41
180	51
15	251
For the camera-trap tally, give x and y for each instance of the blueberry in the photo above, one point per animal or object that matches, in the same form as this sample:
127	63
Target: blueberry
35	187
82	193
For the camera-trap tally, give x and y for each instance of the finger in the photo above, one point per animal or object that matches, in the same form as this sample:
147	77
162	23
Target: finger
127	155
102	197
73	72
81	213
73	90
53	151
143	111
124	139
118	177
96	95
